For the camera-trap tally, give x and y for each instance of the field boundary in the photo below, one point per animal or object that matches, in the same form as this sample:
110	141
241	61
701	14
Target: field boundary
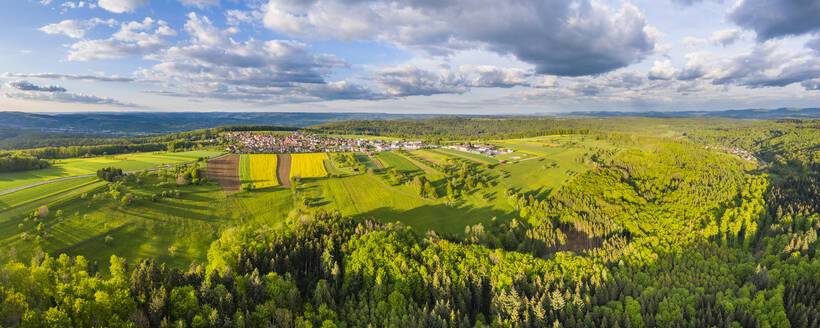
283	162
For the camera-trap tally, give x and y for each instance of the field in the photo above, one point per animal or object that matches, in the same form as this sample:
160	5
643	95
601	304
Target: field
514	156
263	170
224	170
86	166
393	160
177	229
308	165
365	197
481	159
245	168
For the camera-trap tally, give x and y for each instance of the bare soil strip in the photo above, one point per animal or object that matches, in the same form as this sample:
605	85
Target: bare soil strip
378	163
283	170
225	169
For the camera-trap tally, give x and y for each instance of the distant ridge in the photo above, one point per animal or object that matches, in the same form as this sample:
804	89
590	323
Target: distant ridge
146	123
759	114
151	123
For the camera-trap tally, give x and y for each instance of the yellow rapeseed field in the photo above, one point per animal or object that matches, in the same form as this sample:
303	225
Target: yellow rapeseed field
308	165
263	170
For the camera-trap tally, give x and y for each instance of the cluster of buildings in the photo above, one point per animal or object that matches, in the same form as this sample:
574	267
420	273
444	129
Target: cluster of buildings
250	143
488	150
745	154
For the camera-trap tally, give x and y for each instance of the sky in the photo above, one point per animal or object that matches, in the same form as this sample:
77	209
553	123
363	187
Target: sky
409	56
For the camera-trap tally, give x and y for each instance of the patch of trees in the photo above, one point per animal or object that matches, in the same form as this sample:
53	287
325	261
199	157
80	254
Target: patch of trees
109	174
12	162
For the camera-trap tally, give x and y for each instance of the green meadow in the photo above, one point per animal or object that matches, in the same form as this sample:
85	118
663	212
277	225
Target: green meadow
482	159
85	166
177	229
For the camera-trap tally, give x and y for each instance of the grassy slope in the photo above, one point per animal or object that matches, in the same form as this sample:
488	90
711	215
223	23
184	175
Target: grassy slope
141	229
245	169
33	194
192	221
481	159
83	166
391	160
363	196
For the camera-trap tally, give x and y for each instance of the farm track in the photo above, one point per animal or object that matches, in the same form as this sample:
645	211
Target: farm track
283	170
225	169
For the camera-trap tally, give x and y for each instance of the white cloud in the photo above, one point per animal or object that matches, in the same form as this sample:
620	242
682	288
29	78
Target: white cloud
58	76
692	42
201	4
133	38
662	70
559	37
121	6
236	17
725	37
75	28
25	90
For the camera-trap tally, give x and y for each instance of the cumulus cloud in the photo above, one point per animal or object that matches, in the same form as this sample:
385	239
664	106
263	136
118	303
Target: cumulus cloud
814	43
407	80
236	17
25	90
75	28
725	37
662	70
121	6
134	38
768	66
771	19
212	64
78	4
56	76
569	38
411	81
696	66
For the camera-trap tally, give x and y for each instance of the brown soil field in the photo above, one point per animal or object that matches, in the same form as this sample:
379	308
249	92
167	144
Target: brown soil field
283	170
225	169
378	163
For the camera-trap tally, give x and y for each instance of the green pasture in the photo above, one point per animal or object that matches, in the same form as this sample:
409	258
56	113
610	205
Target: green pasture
481	159
85	166
174	229
392	160
245	169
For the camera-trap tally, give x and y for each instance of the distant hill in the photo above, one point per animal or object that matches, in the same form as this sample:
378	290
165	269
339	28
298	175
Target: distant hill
128	124
758	114
151	123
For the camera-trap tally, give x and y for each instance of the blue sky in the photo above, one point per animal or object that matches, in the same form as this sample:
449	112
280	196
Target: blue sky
416	56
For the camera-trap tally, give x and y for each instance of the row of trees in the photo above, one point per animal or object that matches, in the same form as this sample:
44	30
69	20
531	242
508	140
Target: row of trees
12	162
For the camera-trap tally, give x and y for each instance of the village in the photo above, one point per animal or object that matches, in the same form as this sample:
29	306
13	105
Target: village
255	143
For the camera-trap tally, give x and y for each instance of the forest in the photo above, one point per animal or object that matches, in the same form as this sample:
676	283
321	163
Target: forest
656	231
